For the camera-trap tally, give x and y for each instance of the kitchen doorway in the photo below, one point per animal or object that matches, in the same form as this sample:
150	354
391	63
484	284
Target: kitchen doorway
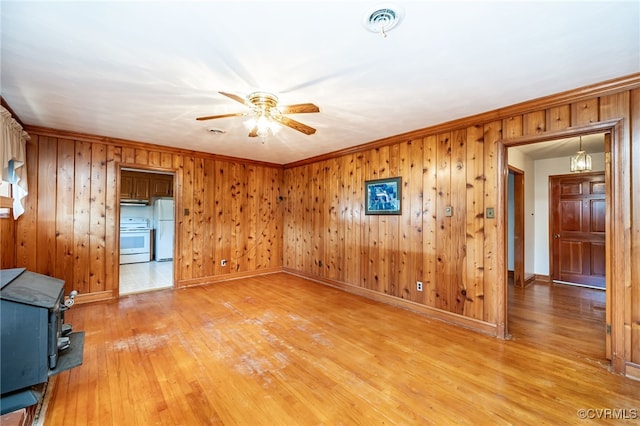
146	230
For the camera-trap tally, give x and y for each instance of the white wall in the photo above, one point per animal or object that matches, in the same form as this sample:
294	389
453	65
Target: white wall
544	169
521	161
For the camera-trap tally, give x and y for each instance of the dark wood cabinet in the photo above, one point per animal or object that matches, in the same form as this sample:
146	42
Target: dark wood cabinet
161	185
126	186
142	187
134	186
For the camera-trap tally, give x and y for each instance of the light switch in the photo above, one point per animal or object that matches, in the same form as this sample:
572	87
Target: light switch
448	211
491	213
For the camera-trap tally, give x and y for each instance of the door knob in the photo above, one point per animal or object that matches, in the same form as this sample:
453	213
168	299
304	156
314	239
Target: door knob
556	236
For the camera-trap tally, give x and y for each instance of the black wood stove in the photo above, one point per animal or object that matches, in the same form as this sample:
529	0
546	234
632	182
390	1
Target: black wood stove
35	342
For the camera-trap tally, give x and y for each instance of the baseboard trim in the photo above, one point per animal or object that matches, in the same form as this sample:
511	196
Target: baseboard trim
578	285
437	314
97	296
102	296
632	370
227	277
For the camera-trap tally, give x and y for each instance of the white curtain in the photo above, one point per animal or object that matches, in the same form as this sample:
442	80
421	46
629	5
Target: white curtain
13	159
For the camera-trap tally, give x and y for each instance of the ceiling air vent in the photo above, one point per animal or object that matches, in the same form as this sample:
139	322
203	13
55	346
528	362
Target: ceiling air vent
381	19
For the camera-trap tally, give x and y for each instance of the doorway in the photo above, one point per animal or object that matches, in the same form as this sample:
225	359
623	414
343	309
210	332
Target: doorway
146	209
538	160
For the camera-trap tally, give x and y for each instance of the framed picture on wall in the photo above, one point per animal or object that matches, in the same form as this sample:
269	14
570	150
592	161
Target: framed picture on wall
383	196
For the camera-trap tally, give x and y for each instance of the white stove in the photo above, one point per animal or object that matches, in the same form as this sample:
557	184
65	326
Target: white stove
135	240
134	223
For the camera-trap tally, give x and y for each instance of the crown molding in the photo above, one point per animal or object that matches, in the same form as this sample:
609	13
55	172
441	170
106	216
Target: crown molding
64	134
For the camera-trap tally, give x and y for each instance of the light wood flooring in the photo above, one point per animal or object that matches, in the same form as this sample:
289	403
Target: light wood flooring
281	350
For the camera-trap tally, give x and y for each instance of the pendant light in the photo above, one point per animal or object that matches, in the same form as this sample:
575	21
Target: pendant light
581	162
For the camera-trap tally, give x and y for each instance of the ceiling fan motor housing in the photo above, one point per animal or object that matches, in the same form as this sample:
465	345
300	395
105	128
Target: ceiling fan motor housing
263	101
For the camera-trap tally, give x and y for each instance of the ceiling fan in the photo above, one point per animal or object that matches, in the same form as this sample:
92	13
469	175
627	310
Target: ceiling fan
265	111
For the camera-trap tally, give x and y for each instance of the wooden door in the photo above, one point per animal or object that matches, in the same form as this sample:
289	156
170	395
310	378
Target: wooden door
577	224
518	228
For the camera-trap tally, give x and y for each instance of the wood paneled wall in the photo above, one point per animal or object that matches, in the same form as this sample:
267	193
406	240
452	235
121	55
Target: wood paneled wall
7	243
453	256
460	259
69	229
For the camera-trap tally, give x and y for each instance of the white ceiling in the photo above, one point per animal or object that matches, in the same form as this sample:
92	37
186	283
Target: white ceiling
144	70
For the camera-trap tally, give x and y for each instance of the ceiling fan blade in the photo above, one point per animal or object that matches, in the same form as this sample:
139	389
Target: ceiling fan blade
296	125
299	108
235	98
211	117
254	132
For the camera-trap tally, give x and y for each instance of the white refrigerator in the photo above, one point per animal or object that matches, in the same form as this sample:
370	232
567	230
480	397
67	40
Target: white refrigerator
164	228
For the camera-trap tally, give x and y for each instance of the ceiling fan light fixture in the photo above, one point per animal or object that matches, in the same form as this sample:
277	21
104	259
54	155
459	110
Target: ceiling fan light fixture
266	125
265	112
382	18
274	127
266	117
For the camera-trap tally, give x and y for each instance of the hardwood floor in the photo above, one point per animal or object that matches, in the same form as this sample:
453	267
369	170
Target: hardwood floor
281	350
559	318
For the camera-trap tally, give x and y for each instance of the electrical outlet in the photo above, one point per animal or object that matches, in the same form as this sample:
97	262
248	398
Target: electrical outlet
223	262
419	285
